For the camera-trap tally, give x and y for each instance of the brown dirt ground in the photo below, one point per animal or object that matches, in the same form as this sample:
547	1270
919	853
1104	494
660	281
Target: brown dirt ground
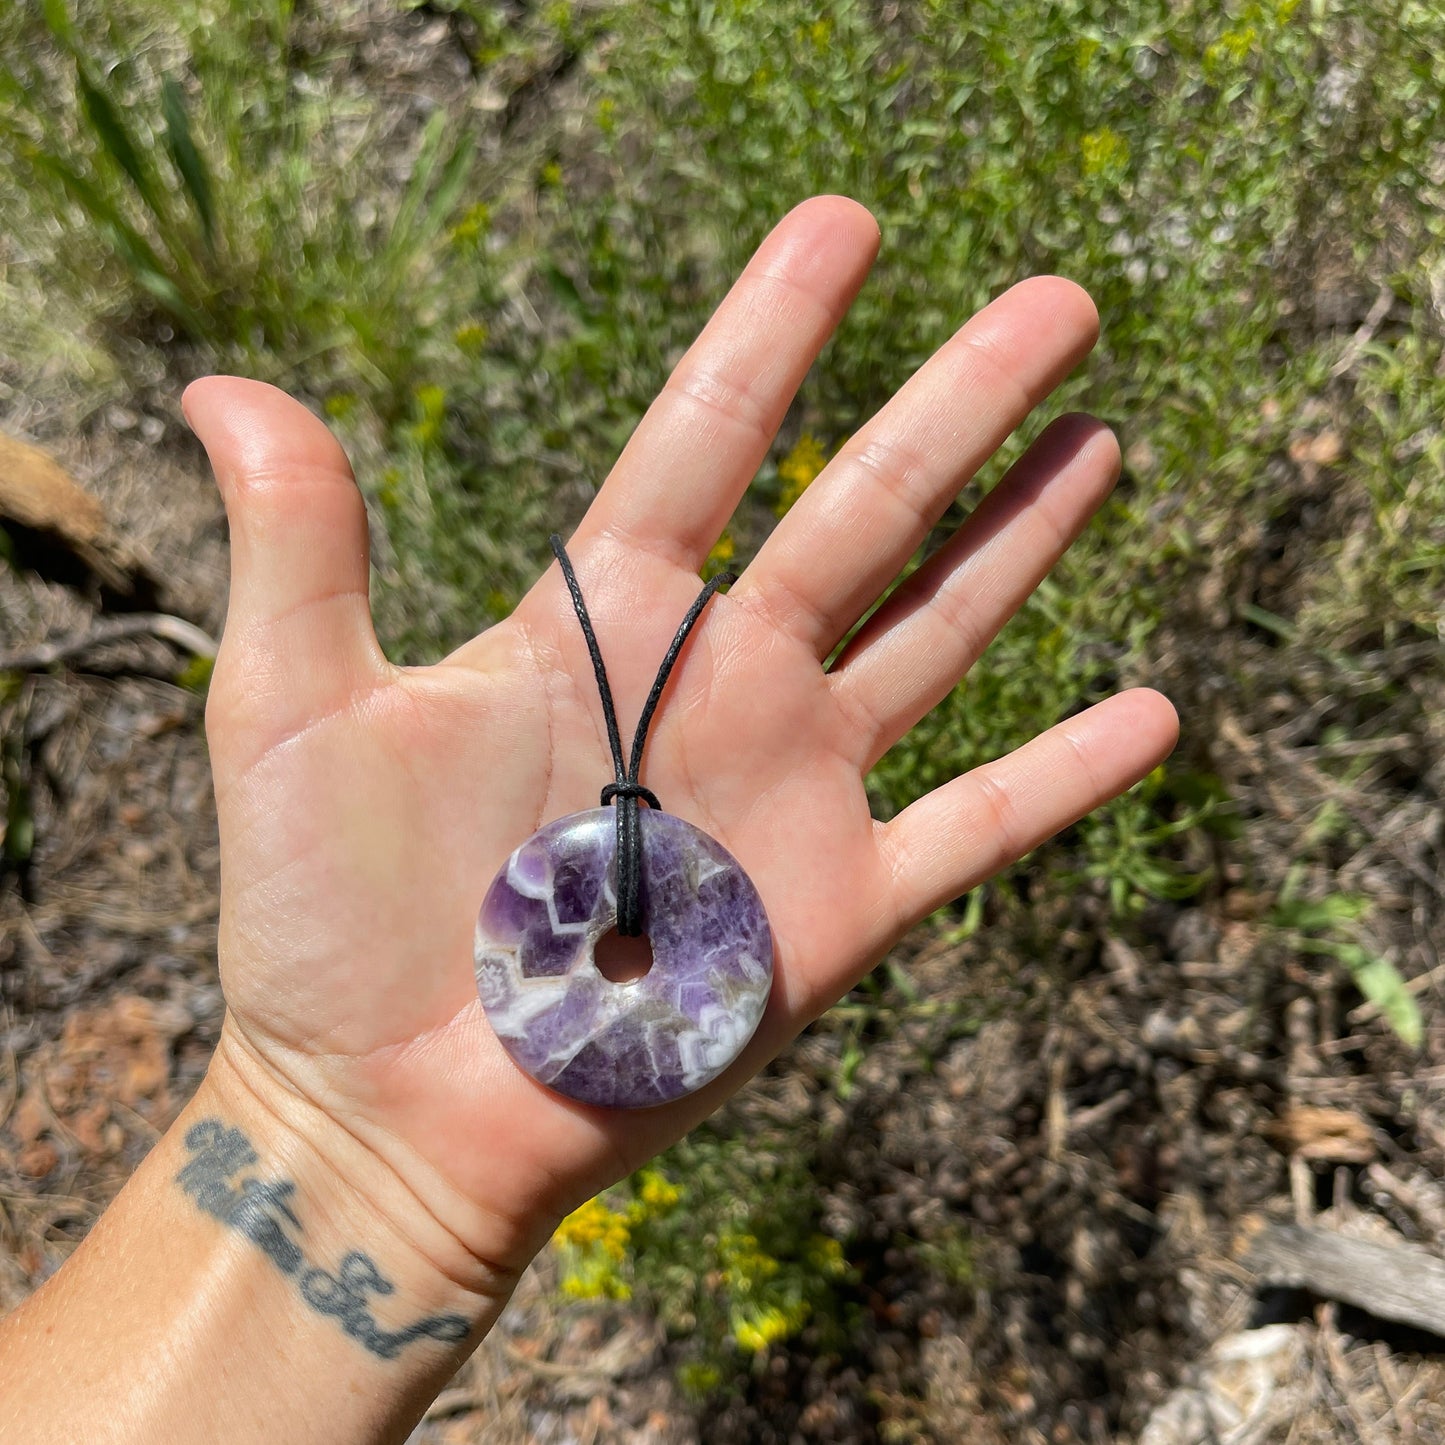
1084	1135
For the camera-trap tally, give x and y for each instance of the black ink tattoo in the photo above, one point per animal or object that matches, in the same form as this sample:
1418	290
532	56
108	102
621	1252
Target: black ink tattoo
343	1294
260	1210
254	1208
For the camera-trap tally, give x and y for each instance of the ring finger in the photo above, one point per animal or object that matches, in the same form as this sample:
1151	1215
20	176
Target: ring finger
937	623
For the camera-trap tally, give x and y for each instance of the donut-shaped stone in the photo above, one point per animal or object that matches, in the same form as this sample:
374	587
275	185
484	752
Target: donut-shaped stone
624	1045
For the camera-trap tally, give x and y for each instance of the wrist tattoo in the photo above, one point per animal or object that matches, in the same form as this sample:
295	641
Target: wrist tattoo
261	1210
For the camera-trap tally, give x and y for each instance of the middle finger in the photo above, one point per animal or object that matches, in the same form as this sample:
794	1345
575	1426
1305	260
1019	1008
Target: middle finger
856	526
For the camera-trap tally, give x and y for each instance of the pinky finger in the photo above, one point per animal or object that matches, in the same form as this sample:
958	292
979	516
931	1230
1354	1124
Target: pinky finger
964	832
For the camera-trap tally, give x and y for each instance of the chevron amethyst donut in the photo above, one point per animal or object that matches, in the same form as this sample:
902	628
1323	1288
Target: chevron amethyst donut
624	1045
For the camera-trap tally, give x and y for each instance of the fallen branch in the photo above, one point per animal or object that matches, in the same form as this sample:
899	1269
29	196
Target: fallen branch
1398	1282
176	630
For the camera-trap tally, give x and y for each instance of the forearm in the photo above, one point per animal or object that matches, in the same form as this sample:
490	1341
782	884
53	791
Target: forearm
252	1282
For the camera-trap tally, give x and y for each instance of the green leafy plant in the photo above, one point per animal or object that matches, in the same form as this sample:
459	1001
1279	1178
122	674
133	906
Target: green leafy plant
222	194
1126	847
1330	927
723	1242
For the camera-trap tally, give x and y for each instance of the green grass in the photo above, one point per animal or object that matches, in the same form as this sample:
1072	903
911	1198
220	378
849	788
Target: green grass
215	185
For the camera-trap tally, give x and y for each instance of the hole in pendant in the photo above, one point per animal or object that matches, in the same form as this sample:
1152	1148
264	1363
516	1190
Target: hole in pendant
623	960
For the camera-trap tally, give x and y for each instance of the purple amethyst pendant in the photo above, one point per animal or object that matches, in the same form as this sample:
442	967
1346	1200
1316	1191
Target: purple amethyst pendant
623	1045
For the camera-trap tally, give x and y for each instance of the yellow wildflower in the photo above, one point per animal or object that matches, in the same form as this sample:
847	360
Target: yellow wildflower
470	337
594	1225
1232	48
798	469
595	1279
758	1329
656	1191
473	224
745	1263
1104	150
389	493
723	552
825	1255
431	405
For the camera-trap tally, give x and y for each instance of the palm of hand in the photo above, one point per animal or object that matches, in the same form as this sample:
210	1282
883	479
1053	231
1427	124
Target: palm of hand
364	808
389	819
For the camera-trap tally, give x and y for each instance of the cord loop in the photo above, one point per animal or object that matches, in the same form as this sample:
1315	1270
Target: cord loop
630	790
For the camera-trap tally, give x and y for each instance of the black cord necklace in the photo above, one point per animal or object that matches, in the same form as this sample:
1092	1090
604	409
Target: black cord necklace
673	1030
626	791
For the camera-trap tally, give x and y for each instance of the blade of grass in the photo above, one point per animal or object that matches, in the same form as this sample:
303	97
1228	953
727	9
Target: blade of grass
189	162
449	189
418	182
128	243
118	142
57	20
413	225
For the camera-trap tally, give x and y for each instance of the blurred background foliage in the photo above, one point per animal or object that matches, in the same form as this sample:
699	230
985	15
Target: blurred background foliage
483	278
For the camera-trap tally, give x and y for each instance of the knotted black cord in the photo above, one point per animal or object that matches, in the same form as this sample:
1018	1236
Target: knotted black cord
626	790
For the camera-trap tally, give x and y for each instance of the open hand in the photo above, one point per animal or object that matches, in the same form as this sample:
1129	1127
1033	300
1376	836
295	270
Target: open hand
364	808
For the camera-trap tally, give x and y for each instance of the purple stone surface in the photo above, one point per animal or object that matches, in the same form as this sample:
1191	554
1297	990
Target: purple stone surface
624	1045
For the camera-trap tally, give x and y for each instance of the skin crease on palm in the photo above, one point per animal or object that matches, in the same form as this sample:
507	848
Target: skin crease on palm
364	808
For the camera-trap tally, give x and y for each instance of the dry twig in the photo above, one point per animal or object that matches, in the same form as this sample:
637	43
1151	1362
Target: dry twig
176	630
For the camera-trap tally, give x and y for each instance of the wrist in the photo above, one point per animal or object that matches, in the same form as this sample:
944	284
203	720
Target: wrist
331	1212
274	1275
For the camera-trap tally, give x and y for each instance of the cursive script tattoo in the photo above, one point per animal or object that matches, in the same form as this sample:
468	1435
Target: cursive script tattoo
261	1210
